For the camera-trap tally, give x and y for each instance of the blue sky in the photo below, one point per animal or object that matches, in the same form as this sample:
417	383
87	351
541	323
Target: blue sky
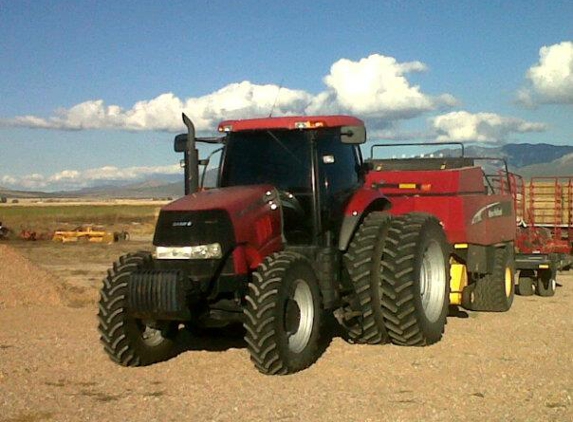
92	91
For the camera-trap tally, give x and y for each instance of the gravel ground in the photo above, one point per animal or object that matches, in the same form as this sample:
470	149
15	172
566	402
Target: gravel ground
515	366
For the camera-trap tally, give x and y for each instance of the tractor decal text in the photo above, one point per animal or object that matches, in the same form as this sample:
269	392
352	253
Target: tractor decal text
495	210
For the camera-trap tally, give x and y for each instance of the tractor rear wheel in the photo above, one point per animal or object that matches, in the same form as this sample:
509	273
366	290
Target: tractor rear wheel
127	340
364	264
415	280
546	284
283	315
525	283
494	292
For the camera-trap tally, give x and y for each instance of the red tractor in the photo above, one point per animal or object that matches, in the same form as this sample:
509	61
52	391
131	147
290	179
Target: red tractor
300	226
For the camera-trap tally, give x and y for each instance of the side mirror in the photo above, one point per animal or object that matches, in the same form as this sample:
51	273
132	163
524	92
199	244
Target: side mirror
180	143
353	134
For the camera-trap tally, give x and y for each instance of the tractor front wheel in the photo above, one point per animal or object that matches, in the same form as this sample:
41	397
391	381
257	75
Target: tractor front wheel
127	340
283	315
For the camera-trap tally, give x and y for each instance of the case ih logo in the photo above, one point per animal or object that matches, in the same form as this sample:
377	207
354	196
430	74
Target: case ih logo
182	223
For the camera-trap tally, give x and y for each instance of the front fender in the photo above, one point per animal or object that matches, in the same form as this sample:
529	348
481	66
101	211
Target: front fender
361	203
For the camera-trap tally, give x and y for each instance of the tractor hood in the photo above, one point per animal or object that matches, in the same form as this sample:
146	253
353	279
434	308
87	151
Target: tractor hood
231	199
241	215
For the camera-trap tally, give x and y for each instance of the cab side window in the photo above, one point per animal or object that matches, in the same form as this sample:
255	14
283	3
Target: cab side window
339	165
339	172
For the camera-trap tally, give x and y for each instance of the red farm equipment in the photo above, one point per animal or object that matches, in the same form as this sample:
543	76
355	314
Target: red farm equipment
544	211
300	227
475	212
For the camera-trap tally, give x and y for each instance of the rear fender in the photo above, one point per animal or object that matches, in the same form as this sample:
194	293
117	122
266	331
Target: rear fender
361	203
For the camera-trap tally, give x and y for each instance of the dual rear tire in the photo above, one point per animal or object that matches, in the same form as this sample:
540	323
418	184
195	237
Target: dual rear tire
399	268
363	261
415	280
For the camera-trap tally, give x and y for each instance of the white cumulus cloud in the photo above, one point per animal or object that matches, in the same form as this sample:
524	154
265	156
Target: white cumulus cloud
550	81
7	180
375	88
480	127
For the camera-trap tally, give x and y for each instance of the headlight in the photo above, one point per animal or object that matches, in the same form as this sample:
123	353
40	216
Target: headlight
211	251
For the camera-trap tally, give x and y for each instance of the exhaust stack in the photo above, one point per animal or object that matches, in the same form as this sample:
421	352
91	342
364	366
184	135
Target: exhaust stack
191	158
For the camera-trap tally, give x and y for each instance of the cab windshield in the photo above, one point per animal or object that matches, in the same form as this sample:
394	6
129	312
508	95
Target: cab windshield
277	157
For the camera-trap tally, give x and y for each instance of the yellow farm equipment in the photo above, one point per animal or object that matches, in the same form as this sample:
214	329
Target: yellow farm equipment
88	233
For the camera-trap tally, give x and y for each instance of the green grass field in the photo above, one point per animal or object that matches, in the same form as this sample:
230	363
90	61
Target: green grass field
140	218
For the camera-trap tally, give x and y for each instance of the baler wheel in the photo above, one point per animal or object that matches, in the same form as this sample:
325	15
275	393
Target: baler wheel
494	292
546	284
364	264
127	340
415	280
283	315
525	283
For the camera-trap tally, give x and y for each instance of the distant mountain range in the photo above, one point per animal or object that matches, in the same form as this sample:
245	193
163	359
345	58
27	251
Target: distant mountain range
147	189
157	188
525	159
521	156
153	188
530	160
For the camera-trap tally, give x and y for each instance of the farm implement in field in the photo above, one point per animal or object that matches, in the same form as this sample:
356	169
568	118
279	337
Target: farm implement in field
301	227
544	211
89	233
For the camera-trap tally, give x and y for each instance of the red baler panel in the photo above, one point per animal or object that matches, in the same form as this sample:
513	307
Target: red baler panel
464	180
457	197
489	219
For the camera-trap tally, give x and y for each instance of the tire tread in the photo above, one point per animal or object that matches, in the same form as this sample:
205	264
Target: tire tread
369	327
401	319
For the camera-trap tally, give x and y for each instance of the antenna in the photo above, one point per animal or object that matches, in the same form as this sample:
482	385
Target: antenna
276	98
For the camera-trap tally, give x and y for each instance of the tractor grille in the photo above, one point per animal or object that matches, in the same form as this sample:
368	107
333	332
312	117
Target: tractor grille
158	295
188	228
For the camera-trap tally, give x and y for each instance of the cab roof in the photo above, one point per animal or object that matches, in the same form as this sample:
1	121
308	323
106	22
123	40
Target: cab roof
289	123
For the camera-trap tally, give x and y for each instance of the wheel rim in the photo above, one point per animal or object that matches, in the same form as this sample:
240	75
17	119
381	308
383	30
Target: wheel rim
299	317
150	336
508	281
433	281
553	284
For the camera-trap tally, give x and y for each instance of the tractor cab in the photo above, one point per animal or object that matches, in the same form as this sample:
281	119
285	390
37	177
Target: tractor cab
294	230
314	164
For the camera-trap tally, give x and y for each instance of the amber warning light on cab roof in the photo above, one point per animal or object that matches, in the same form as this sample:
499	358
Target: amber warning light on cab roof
289	123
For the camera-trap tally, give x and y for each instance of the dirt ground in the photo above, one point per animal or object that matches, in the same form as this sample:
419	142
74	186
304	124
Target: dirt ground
514	366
